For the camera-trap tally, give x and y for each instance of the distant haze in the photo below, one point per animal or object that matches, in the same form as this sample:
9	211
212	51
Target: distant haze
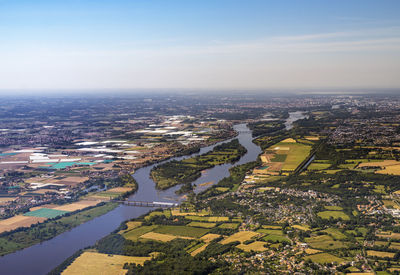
208	44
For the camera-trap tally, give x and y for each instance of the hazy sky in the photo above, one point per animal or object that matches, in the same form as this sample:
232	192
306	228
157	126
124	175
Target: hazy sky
199	44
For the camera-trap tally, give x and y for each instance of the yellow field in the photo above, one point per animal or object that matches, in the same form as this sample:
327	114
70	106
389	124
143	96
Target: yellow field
254	246
206	183
382	164
289	140
303	227
272	227
209	237
264	159
132	225
312	251
380	254
390	204
218	219
7	199
18	221
98	263
76	205
389	235
312	138
177	212
119	189
158	237
198	250
241	236
390	170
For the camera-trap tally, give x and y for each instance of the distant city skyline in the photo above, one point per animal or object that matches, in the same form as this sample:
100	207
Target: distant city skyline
225	44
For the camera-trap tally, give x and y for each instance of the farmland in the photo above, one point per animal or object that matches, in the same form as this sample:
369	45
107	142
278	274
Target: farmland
324	242
241	236
46	230
324	258
254	246
98	263
183	231
334	215
188	170
284	156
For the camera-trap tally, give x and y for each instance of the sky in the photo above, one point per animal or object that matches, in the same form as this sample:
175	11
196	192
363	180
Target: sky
192	44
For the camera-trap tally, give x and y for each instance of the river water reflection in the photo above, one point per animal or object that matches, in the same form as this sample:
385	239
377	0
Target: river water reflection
42	258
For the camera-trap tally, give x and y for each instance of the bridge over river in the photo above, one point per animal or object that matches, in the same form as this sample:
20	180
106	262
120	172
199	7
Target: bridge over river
149	204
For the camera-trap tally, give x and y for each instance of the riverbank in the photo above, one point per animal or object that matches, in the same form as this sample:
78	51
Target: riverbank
186	171
40	258
57	219
26	237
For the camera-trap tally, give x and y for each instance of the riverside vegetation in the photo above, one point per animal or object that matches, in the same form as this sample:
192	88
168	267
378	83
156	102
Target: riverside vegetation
186	171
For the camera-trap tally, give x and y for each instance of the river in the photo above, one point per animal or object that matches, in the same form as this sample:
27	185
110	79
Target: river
42	258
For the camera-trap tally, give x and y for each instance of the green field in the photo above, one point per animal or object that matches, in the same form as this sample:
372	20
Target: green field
333	207
295	153
318	166
276	238
335	233
46	213
134	234
181	230
334	215
229	225
324	242
324	258
279	158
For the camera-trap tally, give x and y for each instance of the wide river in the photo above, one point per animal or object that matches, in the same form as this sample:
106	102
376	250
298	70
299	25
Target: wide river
43	257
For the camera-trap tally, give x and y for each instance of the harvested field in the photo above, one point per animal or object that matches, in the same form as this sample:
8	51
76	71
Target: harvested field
209	237
131	225
312	251
7	199
207	219
99	263
198	250
158	237
272	227
390	204
390	170
119	189
134	234
76	206
241	236
18	221
257	246
303	227
206	183
380	254
289	140
382	164
177	212
202	224
389	235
